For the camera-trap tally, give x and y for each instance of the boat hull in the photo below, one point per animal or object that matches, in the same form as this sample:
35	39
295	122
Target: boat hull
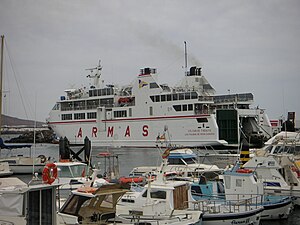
245	217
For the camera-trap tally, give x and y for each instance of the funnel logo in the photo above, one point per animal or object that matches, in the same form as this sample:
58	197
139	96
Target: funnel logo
142	83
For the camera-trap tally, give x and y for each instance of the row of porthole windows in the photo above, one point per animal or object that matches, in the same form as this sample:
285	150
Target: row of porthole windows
79	116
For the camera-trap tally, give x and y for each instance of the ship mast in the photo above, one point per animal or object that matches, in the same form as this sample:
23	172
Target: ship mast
1	79
185	58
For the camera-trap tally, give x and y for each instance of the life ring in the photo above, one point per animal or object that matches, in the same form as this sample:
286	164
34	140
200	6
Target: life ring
49	173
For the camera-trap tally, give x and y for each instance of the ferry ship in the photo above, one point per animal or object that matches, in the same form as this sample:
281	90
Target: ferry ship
145	113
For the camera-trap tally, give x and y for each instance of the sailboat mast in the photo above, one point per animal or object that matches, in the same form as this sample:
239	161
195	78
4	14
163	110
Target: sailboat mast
1	79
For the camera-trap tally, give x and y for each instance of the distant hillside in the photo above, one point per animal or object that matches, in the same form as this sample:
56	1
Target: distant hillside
13	121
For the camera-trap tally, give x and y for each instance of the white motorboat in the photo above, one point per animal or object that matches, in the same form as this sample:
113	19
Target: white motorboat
73	175
25	165
26	204
278	178
184	162
241	184
173	195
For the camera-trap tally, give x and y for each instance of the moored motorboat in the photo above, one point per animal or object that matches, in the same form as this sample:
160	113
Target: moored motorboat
177	195
278	178
26	204
241	184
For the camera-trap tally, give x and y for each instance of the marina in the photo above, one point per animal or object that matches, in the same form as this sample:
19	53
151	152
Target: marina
142	157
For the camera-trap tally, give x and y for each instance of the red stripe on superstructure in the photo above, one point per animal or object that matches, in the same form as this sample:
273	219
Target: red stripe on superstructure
134	119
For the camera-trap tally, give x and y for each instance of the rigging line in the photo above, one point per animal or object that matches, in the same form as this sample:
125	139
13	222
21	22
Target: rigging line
17	82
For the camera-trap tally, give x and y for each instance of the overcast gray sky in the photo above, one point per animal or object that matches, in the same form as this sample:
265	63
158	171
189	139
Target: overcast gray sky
243	46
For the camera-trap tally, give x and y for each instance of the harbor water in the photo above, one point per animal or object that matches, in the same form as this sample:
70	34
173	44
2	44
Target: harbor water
128	158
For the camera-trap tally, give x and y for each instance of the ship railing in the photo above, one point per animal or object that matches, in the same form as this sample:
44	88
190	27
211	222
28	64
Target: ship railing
203	111
206	98
233	98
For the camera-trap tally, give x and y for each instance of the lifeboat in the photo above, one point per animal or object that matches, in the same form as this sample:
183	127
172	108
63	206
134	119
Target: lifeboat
124	100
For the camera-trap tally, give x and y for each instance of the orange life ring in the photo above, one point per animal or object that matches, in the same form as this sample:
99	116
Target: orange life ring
49	173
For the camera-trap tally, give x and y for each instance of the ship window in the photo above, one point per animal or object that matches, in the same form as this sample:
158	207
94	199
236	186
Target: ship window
130	112
79	116
184	107
227	181
121	113
91	115
152	98
238	182
194	95
40	205
181	96
65	106
74	204
175	97
156	194
190	107
196	190
66	117
154	85
56	107
92	104
177	107
169	97
79	105
187	95
106	102
150	111
163	98
202	120
157	98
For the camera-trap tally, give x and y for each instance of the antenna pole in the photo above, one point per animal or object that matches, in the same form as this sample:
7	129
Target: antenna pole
185	58
1	80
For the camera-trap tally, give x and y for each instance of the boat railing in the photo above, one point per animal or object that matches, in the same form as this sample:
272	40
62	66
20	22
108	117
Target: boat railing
216	204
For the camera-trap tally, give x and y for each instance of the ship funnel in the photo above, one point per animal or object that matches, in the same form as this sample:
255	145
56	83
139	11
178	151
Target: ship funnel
147	71
194	71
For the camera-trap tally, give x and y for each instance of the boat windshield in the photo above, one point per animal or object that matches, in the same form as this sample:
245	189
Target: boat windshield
72	171
190	160
73	205
279	149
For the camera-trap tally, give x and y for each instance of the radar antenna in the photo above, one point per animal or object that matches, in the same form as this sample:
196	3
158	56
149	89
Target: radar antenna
95	75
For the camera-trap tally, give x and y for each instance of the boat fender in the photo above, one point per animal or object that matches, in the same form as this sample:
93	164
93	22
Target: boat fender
126	180
49	173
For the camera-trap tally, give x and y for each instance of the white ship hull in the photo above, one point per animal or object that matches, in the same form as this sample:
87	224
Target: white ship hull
142	132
